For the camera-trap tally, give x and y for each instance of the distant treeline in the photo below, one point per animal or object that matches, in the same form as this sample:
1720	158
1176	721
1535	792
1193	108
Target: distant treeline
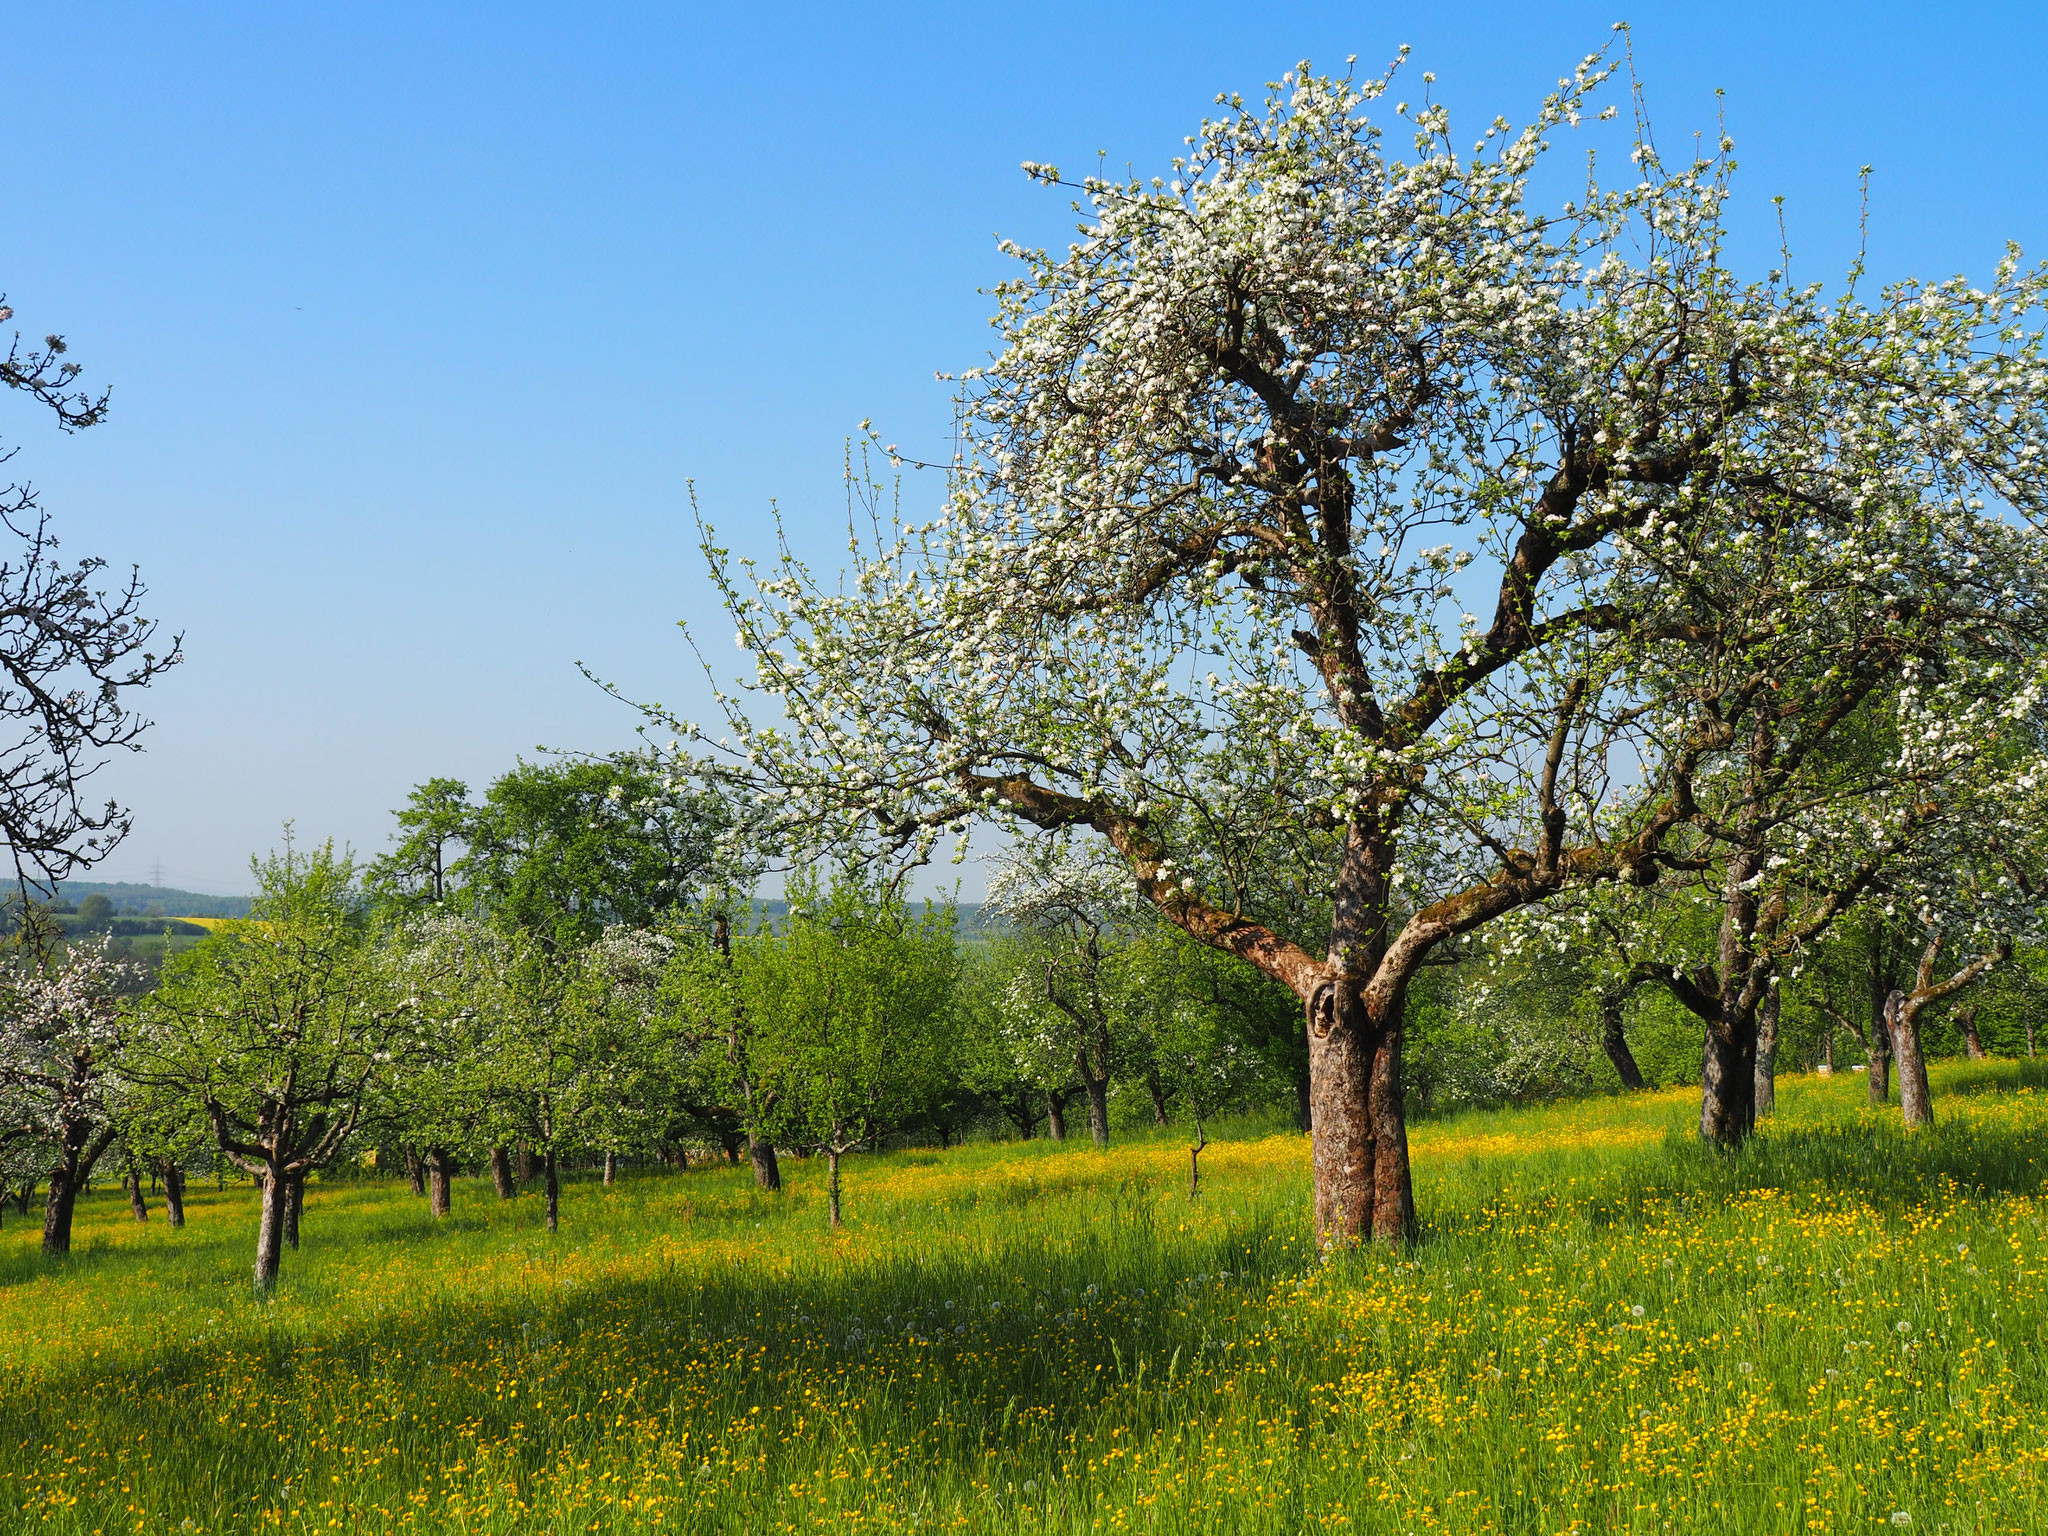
149	900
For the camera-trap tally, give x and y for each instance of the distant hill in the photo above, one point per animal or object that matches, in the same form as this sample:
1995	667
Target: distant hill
151	900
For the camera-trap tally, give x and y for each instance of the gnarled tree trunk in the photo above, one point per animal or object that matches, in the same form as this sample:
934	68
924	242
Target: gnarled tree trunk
1613	1002
1966	1019
767	1171
270	1228
1359	1135
1916	1096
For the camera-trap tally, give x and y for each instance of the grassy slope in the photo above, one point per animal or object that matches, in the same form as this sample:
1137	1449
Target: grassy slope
1837	1325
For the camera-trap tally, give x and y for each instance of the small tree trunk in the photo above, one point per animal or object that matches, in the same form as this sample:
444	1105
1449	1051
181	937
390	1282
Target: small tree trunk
1097	1090
1916	1096
1972	1046
501	1173
415	1170
1615	1042
1766	1093
611	1169
1877	1046
767	1171
1195	1159
832	1182
173	1179
1056	1115
554	1191
2030	1038
1728	1081
57	1209
438	1193
137	1205
1827	1050
294	1206
270	1229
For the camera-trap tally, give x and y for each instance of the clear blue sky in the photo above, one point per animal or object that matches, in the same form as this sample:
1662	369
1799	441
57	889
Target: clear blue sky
420	317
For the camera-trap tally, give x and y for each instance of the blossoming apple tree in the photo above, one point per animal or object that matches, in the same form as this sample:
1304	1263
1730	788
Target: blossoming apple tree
1311	501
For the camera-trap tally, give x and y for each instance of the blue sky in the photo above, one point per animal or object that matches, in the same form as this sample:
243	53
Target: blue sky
421	319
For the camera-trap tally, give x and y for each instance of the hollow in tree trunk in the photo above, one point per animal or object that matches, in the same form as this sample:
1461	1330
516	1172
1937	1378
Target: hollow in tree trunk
552	1170
501	1173
1966	1018
1916	1097
1056	1115
138	1207
1766	1093
767	1171
173	1179
438	1193
832	1182
270	1229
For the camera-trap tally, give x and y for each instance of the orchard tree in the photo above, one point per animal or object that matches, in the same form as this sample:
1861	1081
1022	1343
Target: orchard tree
1325	489
853	998
63	1033
284	1029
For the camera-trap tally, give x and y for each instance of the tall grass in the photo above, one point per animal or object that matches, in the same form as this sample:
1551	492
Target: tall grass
1604	1328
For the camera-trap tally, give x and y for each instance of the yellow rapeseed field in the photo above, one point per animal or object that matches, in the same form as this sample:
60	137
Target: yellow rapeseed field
1604	1327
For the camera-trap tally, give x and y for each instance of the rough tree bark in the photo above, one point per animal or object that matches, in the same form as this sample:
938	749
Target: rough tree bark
767	1171
611	1169
1613	1039
1966	1019
501	1173
1902	1010
173	1180
1056	1114
77	1151
270	1230
138	1206
294	1207
416	1171
439	1194
1767	1054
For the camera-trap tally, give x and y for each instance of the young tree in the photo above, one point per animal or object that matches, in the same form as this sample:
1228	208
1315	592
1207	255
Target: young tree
1252	445
63	1034
435	822
283	1029
854	1002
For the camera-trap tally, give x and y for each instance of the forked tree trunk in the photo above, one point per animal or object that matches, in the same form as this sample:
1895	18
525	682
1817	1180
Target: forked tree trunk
173	1178
1359	1139
1195	1160
270	1229
611	1169
1972	1046
1056	1115
1157	1089
1766	1093
767	1171
1916	1096
438	1193
501	1173
832	1183
138	1206
552	1169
